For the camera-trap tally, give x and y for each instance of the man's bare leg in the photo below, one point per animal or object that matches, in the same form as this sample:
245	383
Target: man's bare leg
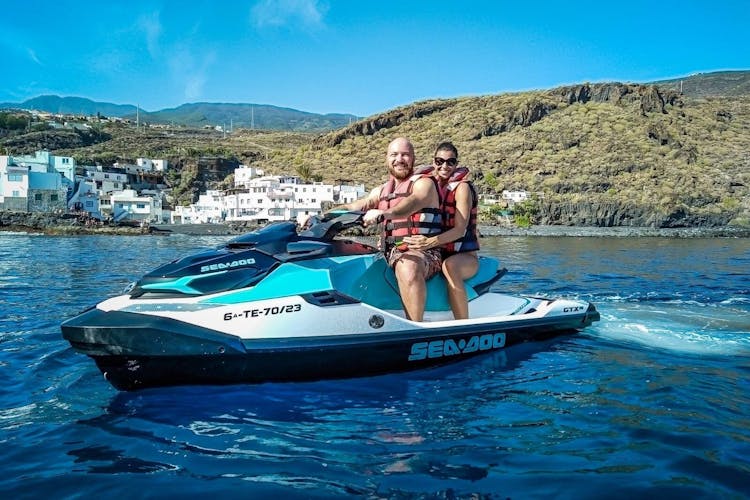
410	274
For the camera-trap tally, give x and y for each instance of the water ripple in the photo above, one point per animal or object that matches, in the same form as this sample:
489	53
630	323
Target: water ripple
651	401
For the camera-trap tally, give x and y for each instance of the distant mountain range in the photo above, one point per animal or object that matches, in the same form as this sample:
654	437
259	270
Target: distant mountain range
259	116
268	117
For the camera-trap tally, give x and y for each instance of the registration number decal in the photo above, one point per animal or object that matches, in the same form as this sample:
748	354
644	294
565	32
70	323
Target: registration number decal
264	311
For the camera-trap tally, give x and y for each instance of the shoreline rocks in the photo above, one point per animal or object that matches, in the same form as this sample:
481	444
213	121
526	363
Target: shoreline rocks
617	231
61	224
70	224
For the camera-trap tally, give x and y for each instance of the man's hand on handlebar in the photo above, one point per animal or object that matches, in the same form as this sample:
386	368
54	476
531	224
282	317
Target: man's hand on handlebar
310	222
373	216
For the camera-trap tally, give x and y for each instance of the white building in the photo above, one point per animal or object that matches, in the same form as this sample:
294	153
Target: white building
14	185
265	199
38	183
345	193
149	165
160	165
208	209
86	199
515	196
243	174
107	181
276	198
44	162
93	191
129	205
144	164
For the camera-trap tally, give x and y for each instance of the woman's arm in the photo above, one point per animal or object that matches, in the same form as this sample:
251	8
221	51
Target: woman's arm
463	213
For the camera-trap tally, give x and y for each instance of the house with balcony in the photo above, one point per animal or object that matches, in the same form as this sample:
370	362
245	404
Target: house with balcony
36	183
244	174
276	198
86	199
150	165
129	205
262	199
515	196
106	180
208	209
144	174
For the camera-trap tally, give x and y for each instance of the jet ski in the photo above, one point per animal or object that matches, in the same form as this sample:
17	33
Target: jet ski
278	304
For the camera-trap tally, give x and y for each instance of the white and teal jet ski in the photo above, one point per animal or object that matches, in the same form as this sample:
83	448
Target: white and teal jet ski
278	305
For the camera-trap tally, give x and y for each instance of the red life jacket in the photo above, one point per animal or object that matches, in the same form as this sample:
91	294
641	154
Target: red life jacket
469	242
427	221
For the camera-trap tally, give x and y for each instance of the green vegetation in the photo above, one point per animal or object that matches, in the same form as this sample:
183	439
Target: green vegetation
13	121
524	213
603	154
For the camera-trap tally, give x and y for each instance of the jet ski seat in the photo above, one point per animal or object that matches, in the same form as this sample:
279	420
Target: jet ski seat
378	287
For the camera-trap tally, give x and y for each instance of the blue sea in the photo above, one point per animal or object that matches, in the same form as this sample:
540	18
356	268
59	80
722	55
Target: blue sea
652	401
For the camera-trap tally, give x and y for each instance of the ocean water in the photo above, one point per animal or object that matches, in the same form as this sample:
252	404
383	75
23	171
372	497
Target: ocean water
654	400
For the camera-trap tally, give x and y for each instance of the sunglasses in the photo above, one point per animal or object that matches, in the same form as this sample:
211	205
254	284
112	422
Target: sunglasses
452	162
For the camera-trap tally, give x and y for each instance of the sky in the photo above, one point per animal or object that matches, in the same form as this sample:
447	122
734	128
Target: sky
354	56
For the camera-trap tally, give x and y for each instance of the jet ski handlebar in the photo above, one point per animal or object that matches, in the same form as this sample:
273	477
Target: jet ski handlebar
326	228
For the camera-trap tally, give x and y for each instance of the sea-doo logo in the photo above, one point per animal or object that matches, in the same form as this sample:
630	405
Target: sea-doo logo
227	265
451	347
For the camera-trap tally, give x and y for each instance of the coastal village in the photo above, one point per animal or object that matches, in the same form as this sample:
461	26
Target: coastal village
138	194
124	193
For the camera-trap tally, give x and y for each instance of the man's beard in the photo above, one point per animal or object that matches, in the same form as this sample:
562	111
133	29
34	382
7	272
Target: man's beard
401	174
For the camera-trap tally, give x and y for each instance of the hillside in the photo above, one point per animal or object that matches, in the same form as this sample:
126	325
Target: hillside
593	154
605	154
227	115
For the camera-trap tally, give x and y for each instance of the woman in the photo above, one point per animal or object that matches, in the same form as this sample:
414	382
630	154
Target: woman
459	240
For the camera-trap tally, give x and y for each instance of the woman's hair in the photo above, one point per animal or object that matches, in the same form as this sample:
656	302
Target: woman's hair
446	146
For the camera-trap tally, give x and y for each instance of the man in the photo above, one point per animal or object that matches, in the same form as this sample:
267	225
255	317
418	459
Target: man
409	204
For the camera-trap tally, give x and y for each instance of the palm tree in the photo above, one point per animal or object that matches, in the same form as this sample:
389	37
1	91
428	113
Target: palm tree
303	171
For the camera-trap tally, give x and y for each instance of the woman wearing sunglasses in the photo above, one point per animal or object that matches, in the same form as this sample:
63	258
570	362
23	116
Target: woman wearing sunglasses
459	240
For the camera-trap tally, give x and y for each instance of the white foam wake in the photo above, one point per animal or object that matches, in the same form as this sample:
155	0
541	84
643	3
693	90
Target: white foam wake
684	327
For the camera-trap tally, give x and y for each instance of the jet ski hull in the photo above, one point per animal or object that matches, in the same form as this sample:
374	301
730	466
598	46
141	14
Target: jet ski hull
135	351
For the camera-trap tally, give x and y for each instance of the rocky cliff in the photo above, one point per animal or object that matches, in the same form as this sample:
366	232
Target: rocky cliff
616	213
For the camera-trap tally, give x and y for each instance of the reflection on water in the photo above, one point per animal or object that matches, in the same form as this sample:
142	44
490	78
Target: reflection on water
652	400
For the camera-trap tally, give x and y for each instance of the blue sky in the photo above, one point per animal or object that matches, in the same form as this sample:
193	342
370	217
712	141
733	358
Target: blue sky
352	56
